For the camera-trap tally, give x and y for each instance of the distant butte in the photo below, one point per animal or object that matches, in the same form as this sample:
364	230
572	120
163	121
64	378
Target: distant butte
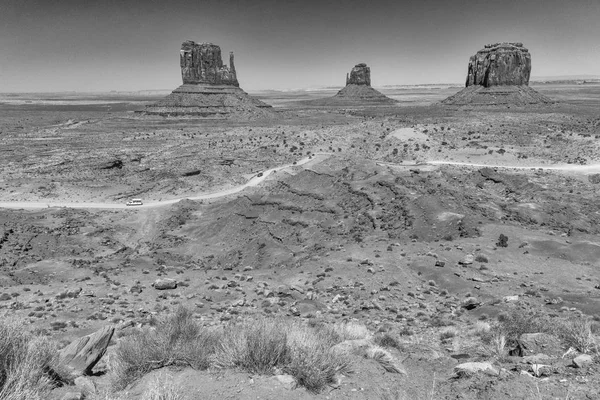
210	89
498	75
358	87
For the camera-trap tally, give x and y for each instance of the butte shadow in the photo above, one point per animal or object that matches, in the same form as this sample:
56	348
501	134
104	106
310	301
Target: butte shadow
210	89
499	75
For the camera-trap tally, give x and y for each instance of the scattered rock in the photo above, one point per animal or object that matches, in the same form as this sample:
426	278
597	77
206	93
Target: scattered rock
472	368
534	343
165	284
467	260
79	357
86	385
583	361
287	381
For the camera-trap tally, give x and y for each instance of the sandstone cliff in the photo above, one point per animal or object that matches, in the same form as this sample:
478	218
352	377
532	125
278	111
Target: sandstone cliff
202	64
500	64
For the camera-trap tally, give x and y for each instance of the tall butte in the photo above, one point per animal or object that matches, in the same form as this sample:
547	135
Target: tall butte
210	89
498	75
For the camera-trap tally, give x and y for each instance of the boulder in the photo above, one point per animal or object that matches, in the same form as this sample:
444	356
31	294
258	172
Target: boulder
472	368
583	361
165	284
534	343
80	357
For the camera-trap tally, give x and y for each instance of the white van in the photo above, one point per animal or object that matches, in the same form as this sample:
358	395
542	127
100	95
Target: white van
135	202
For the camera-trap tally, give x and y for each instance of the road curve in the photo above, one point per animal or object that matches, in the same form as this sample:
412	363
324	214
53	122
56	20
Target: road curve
254	181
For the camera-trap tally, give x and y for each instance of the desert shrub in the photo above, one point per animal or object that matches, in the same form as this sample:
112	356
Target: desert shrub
256	346
385	359
502	241
175	340
577	332
448	333
517	322
25	362
313	362
388	341
481	258
351	330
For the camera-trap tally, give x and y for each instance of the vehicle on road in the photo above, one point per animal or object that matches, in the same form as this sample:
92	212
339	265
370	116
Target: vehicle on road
135	202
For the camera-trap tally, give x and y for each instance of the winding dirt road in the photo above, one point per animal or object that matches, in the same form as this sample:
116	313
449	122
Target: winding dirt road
255	180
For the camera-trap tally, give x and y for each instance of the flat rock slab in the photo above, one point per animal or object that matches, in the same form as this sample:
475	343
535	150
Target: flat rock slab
79	357
471	368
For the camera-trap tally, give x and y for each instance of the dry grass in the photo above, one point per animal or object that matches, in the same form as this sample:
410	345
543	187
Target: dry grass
24	363
256	346
385	359
261	346
577	332
176	340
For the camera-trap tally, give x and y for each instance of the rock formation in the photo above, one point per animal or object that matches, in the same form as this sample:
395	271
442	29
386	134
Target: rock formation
360	75
202	64
358	90
80	357
500	64
498	75
210	89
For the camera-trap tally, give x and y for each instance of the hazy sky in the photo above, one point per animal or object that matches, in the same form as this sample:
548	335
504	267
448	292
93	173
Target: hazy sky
103	45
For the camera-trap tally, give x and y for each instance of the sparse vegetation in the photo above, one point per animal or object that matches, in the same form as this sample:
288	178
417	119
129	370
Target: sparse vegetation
25	363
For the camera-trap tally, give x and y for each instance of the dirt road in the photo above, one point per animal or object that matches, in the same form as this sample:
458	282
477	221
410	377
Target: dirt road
254	181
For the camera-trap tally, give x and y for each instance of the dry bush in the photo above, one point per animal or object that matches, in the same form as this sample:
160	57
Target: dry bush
312	361
577	332
257	346
387	340
176	340
385	359
351	330
517	322
448	333
162	390
25	361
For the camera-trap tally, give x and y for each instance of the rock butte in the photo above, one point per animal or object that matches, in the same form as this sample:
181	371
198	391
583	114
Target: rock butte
358	87
210	89
498	75
358	91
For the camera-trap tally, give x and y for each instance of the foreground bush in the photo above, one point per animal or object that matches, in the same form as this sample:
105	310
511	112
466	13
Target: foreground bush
261	346
24	363
175	340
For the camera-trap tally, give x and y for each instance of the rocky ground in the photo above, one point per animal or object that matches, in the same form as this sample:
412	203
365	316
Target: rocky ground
432	255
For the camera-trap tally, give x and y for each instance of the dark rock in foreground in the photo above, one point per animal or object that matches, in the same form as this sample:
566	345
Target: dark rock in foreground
80	357
210	89
499	75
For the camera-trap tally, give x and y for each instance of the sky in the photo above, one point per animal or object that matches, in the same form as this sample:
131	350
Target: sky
127	45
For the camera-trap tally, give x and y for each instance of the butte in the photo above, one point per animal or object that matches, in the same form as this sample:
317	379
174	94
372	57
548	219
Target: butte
210	89
498	75
358	90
